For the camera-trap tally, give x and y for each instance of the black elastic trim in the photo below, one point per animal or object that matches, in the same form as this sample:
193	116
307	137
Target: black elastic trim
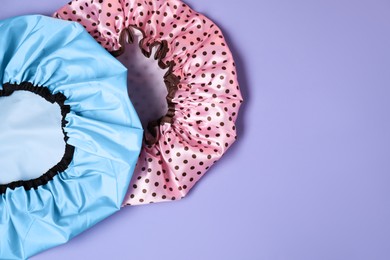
59	98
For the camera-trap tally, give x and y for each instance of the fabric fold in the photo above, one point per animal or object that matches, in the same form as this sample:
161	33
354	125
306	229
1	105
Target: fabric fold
60	62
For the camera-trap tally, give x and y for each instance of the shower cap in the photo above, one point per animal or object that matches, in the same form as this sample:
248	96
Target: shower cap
203	97
64	121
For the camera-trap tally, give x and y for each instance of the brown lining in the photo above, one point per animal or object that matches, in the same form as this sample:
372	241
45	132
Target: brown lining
171	80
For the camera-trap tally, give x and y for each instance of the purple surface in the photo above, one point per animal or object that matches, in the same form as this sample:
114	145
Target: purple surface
309	176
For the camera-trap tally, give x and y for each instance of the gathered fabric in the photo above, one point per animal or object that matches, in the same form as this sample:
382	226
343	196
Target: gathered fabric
203	95
60	63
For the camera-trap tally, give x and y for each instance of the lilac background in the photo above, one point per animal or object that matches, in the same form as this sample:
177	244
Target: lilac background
309	176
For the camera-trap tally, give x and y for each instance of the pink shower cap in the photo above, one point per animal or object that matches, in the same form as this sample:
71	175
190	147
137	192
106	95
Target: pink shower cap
197	125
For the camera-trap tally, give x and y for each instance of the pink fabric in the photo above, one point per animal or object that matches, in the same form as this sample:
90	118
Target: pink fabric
207	99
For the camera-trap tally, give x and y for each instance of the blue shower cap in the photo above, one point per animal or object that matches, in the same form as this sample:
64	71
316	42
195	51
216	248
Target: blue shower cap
54	74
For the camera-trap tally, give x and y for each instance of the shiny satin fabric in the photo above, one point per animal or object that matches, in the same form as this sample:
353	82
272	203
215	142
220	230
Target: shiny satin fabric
102	125
203	91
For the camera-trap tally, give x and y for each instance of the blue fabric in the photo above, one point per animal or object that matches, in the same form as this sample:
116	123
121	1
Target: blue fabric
102	126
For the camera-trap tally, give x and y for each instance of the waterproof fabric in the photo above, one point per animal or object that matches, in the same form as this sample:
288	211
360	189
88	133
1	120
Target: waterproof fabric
61	63
203	96
30	132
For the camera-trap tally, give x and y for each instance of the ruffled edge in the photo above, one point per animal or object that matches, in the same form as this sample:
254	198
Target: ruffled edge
59	98
170	79
109	37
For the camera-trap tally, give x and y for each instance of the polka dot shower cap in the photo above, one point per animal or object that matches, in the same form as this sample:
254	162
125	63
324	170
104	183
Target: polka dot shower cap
64	119
186	93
